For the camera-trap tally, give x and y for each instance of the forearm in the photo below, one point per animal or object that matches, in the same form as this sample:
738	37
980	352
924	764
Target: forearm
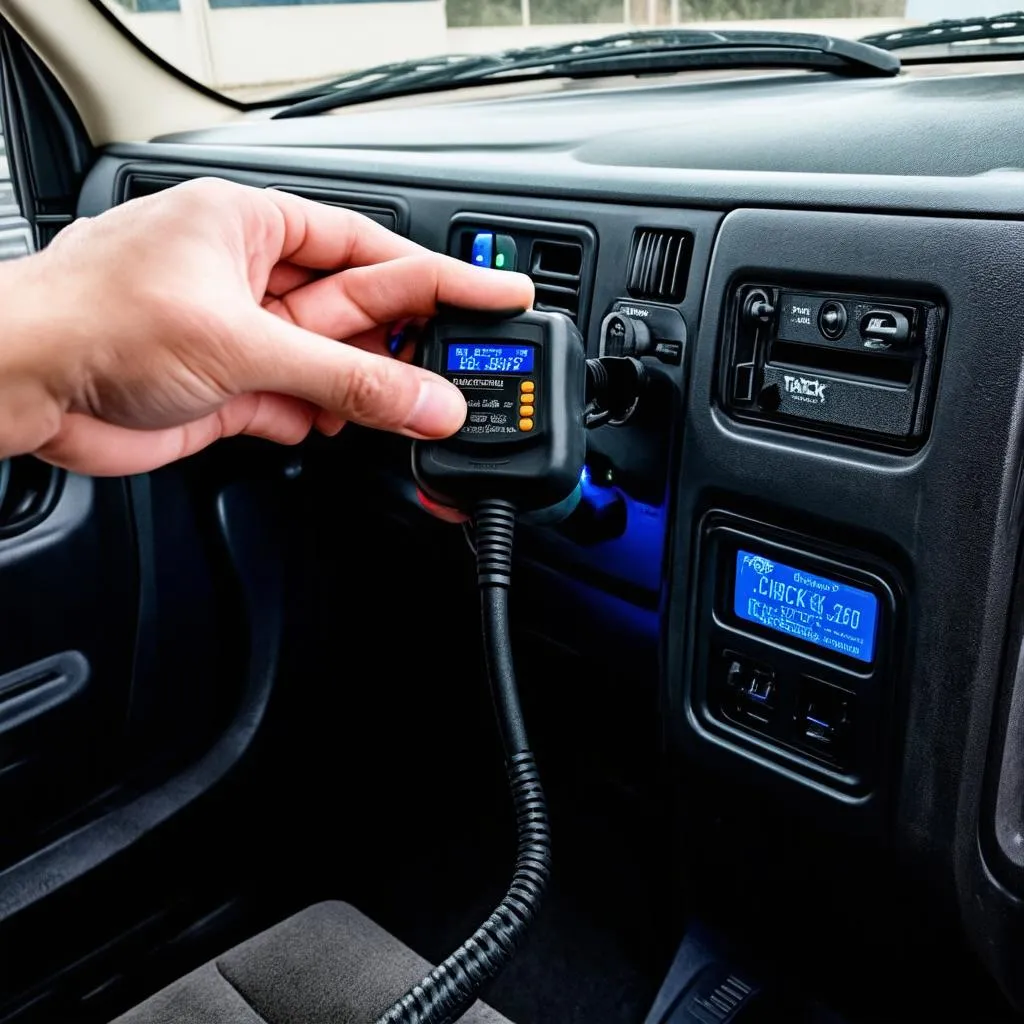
210	310
30	404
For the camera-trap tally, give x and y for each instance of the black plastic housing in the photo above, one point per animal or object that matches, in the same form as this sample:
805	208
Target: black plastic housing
851	766
790	370
535	469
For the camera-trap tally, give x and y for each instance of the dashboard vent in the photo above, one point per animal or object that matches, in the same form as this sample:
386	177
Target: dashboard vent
137	185
385	215
556	268
28	491
659	264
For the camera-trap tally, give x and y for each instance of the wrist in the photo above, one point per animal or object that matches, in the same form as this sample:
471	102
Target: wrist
34	391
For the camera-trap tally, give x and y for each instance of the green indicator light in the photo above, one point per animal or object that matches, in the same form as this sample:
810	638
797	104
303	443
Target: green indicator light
505	254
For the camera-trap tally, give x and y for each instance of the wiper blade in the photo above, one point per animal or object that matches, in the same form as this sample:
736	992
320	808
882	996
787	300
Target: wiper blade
379	72
951	30
626	53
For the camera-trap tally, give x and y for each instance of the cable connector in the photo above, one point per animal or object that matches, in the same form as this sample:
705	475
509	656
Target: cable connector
614	387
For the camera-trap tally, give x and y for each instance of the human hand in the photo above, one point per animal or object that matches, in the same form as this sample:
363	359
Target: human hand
214	309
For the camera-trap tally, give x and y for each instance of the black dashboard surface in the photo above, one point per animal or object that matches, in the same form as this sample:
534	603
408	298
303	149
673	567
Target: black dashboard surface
803	123
788	139
773	176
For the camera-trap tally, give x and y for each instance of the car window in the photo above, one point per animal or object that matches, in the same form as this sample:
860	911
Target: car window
255	49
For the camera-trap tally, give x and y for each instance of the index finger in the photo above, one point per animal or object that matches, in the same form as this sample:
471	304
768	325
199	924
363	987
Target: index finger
324	237
356	300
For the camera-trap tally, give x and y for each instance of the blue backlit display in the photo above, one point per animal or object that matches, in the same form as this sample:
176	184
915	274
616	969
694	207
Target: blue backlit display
474	358
815	609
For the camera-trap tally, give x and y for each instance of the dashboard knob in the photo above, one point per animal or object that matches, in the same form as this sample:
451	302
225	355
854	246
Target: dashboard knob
623	335
757	307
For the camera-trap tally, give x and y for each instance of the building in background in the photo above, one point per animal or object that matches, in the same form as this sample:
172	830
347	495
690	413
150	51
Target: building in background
934	10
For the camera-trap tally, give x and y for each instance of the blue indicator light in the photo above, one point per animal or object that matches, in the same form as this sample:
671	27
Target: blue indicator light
815	609
482	253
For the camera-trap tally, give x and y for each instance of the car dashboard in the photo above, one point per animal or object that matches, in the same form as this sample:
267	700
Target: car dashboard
805	544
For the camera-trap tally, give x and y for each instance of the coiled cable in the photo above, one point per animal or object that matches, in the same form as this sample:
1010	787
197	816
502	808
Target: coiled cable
451	987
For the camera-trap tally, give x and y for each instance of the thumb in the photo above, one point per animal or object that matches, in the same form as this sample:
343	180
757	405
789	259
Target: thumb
353	384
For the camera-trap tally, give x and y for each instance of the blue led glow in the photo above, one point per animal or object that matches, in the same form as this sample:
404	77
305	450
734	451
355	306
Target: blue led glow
636	556
816	609
482	253
473	358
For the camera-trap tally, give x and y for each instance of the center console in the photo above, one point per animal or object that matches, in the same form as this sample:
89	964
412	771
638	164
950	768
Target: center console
796	652
846	522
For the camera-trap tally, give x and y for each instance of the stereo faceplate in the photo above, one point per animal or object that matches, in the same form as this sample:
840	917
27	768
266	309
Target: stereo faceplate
857	367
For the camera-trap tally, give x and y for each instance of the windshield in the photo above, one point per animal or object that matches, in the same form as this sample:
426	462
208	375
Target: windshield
255	50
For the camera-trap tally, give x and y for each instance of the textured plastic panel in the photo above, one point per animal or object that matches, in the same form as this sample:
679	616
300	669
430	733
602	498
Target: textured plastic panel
948	517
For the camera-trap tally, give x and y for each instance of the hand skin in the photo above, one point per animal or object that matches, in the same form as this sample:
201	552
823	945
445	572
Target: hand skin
214	309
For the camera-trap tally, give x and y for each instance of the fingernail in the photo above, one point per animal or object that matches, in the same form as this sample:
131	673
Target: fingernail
439	411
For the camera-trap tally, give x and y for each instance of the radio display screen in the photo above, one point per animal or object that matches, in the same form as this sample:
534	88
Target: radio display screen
818	610
470	357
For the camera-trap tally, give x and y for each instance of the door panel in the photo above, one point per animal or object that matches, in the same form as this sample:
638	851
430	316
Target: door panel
67	623
139	629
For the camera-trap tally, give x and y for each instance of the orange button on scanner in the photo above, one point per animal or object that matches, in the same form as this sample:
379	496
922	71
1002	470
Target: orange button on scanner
526	424
527	387
526	410
527	399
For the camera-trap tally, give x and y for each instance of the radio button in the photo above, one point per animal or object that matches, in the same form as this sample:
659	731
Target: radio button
832	319
526	424
669	352
751	690
527	387
506	255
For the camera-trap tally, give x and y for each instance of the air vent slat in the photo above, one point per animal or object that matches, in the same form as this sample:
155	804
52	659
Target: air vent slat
137	185
384	215
643	260
547	275
637	267
557	289
659	264
557	268
680	268
668	266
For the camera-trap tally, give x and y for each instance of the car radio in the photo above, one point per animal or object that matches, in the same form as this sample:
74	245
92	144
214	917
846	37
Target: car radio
796	653
858	367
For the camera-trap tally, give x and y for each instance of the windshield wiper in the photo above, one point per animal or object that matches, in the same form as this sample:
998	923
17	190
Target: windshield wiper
635	53
951	30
